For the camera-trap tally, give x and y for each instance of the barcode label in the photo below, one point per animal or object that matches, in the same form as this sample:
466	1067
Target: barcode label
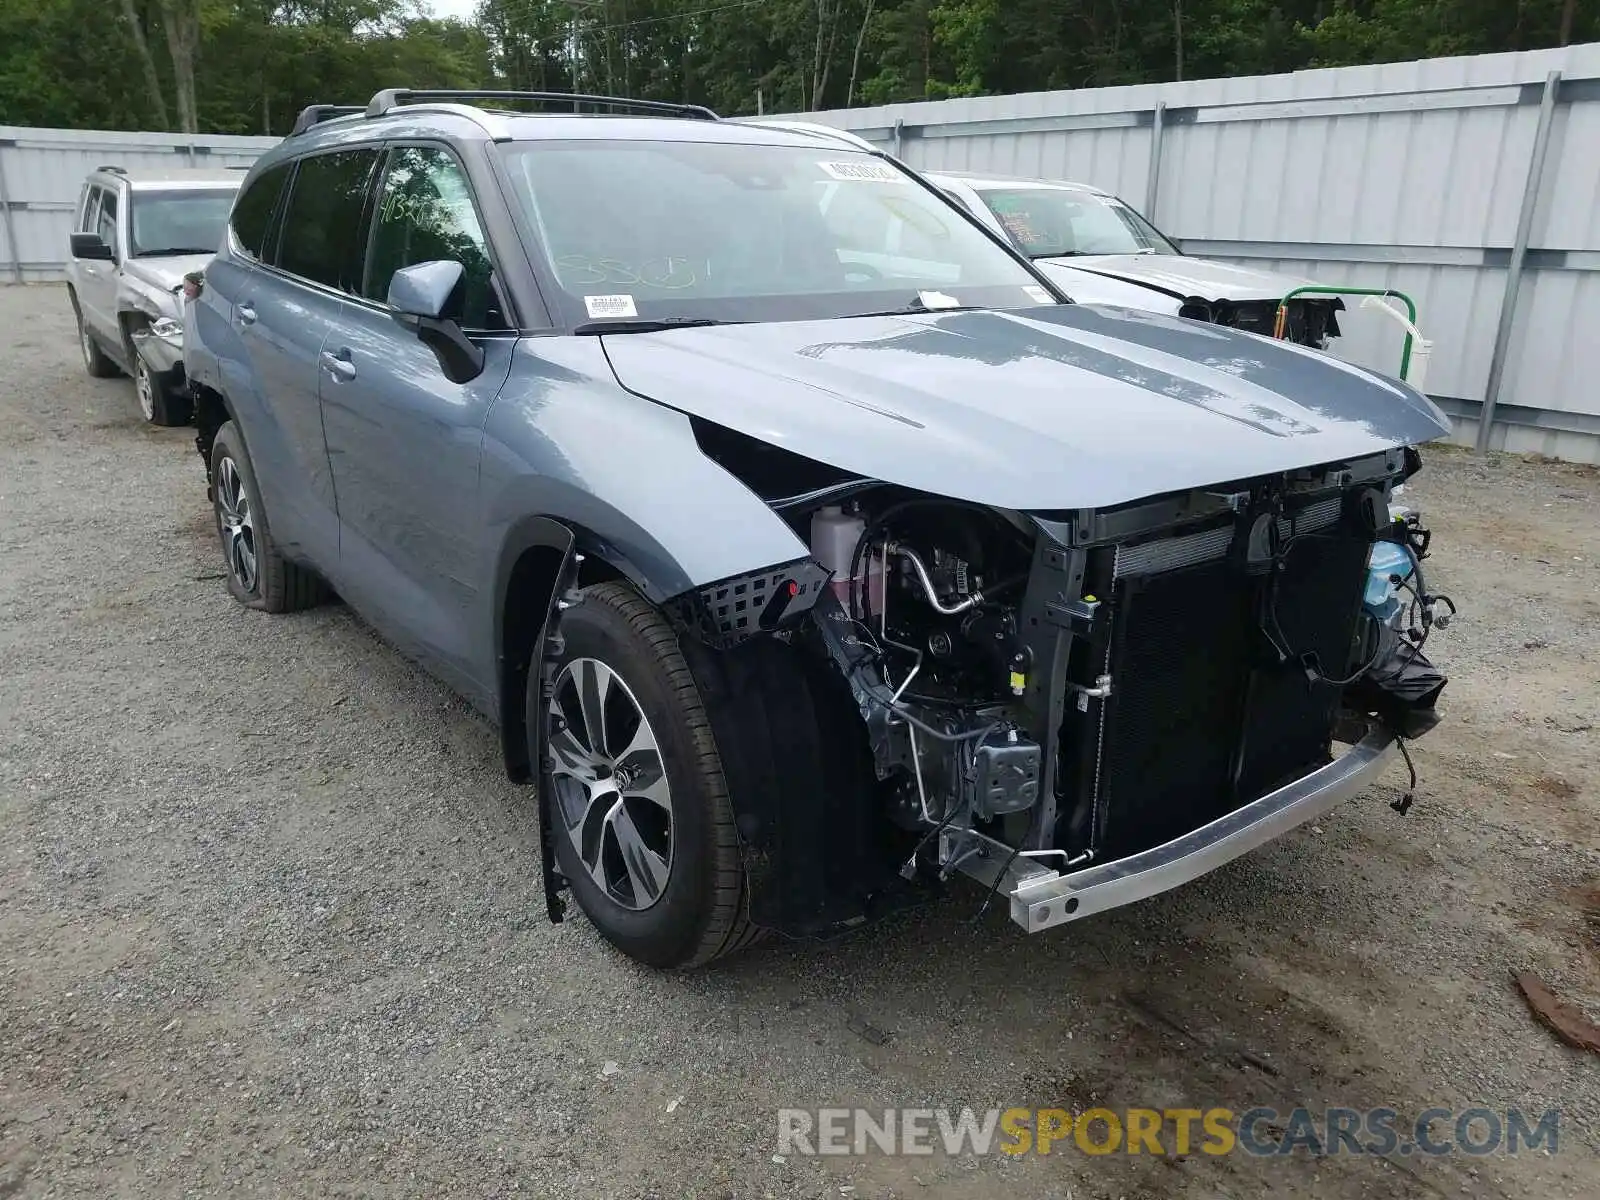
864	171
610	306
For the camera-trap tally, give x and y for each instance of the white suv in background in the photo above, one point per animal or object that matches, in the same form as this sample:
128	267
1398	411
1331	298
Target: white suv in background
135	237
1101	250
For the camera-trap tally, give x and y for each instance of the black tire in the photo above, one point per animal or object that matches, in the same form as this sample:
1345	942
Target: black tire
95	360
273	584
702	911
167	405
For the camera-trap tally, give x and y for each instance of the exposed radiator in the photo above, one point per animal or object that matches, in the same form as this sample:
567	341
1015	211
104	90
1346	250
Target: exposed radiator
1202	717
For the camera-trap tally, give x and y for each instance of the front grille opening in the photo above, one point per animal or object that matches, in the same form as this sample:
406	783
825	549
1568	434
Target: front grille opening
1203	717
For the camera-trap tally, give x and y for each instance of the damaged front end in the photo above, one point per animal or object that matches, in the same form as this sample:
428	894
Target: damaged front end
1307	321
1076	709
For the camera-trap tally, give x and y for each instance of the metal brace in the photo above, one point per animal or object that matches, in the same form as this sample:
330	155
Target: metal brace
1236	501
1100	690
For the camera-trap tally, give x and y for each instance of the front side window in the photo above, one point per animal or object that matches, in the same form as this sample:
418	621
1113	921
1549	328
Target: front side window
425	213
254	209
321	238
89	210
181	221
106	220
1065	222
719	231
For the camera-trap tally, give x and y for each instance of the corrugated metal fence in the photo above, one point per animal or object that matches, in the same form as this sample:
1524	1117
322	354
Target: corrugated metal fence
1423	176
41	175
1472	184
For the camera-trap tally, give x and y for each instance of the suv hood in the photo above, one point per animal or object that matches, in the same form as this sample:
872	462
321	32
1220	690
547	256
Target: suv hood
1067	406
1181	277
166	272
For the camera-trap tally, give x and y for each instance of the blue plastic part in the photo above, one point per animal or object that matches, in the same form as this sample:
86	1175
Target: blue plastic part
1386	560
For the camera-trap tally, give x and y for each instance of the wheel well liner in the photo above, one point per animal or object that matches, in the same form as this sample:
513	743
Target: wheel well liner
818	855
531	563
211	413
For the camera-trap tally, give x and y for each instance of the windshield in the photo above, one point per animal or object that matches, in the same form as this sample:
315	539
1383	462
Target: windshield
670	230
1062	222
189	221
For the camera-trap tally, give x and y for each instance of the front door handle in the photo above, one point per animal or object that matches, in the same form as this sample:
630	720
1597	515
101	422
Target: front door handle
247	314
338	365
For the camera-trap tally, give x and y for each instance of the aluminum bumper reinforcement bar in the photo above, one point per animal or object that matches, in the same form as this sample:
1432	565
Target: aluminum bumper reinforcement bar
1042	897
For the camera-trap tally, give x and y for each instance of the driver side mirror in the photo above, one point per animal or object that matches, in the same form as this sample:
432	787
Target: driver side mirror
91	246
427	297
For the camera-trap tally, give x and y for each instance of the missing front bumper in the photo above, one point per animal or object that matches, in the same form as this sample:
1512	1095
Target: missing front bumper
1042	898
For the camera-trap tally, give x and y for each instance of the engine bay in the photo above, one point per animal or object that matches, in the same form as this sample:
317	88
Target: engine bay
1085	688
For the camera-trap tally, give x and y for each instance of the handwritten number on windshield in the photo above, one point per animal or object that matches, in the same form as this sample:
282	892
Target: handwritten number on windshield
672	274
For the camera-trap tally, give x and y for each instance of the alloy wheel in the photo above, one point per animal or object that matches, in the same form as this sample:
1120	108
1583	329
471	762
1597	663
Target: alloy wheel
145	386
237	523
610	784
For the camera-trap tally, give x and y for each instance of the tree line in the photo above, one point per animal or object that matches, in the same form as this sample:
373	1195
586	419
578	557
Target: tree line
247	66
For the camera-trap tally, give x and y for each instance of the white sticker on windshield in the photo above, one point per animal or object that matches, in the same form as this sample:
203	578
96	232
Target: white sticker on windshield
610	306
865	171
1035	292
937	300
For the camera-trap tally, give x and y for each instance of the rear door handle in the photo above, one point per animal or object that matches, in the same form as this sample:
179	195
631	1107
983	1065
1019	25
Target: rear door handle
338	364
247	314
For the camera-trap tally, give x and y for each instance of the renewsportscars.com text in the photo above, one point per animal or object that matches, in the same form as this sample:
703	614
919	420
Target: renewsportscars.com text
1261	1132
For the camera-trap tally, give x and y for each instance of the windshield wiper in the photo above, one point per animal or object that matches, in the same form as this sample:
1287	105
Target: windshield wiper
656	325
165	250
917	306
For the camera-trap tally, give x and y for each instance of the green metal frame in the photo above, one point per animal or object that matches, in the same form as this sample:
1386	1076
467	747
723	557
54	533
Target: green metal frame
1282	320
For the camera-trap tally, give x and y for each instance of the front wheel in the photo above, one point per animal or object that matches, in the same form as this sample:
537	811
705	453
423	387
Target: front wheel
160	403
643	828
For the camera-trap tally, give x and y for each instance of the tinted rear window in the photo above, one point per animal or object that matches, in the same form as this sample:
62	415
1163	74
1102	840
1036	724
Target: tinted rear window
321	238
253	210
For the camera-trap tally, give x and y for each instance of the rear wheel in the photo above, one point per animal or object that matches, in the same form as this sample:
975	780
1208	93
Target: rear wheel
95	360
258	575
643	828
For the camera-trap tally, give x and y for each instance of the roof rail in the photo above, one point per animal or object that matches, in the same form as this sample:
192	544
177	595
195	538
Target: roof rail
391	98
113	170
815	128
314	114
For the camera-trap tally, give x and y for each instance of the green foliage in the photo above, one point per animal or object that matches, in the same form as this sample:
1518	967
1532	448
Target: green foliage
1366	31
257	62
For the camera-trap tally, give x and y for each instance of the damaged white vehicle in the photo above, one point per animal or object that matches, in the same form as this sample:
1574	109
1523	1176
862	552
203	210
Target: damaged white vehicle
1101	250
136	235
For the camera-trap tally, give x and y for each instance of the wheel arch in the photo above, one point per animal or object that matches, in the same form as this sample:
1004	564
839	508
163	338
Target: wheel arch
211	412
533	558
808	827
529	573
128	321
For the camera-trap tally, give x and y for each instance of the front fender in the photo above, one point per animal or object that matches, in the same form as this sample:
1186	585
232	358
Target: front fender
565	441
138	296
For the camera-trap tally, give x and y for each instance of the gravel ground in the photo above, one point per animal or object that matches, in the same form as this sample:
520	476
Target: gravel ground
270	917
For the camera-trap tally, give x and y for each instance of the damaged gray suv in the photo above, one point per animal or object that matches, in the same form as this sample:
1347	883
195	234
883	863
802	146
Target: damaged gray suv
807	546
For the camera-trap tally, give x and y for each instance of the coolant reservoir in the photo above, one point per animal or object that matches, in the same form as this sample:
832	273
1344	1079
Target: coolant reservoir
834	537
1385	560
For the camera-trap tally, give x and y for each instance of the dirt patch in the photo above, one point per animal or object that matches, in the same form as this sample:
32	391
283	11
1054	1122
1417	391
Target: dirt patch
1560	789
